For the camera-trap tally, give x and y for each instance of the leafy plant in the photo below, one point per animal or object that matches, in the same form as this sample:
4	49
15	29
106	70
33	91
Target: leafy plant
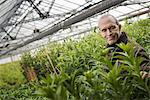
140	31
21	92
11	74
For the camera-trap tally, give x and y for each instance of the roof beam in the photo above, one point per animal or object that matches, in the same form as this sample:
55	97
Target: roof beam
36	8
135	15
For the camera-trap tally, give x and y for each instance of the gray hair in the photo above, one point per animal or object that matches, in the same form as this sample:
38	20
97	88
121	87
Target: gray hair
107	15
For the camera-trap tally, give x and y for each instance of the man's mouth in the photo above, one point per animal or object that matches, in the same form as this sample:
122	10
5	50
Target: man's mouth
110	38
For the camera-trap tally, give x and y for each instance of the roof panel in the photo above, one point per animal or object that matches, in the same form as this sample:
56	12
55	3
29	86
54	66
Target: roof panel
7	10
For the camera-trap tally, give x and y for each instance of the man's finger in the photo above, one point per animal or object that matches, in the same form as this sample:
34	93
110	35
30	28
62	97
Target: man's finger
145	74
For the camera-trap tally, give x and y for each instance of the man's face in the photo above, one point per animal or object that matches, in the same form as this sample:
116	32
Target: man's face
109	29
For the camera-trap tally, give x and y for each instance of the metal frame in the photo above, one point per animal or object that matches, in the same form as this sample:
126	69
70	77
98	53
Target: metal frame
62	21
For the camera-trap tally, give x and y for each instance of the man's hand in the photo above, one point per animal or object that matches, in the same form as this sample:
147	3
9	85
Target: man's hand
145	74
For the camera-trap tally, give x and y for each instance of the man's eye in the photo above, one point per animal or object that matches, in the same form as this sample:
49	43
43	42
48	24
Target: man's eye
112	27
104	30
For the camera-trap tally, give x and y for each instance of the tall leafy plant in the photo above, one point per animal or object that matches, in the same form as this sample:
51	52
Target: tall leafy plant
140	31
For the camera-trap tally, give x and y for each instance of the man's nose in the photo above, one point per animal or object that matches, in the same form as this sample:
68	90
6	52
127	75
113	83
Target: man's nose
109	32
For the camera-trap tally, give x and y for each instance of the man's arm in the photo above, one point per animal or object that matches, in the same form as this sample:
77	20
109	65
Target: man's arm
145	64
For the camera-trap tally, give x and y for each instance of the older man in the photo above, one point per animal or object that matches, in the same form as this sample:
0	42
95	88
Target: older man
111	31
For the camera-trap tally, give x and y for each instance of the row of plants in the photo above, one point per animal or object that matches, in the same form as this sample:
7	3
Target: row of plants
11	74
79	73
97	84
71	55
19	92
13	85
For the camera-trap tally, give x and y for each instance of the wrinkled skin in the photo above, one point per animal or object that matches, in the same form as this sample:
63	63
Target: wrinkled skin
110	30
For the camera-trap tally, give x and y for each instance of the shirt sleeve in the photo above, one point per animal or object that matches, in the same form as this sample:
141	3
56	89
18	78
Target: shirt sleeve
145	64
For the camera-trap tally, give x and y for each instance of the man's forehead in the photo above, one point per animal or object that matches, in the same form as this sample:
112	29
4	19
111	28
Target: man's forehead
106	19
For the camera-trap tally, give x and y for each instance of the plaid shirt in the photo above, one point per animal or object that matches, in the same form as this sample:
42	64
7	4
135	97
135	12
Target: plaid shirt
139	51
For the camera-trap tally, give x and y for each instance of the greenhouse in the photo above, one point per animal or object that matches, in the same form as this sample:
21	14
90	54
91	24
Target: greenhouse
74	49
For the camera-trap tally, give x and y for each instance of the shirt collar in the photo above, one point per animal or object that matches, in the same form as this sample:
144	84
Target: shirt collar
123	38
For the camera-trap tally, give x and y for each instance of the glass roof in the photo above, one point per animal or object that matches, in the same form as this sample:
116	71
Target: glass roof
23	20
